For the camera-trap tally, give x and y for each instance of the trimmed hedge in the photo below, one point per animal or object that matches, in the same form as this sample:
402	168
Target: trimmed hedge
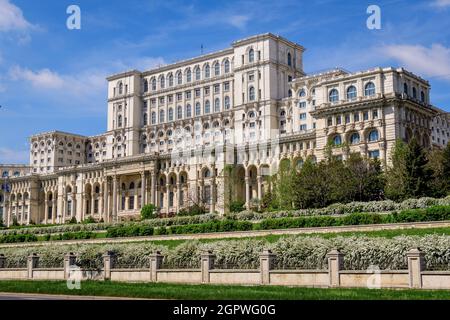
13	238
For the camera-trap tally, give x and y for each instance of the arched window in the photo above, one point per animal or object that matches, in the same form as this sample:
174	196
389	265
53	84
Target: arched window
207	173
197	73
354	138
302	93
188	75
289	93
170	80
207	71
251	94
414	93
162	82
197	109
334	95
161	116
227	104
207	107
373	135
119	121
153	84
153	117
179	78
188	111
351	93
179	112
251	114
405	88
170	114
217	69
120	88
337	141
227	66
145	119
422	96
217	105
369	89
145	85
251	56
289	59
131	186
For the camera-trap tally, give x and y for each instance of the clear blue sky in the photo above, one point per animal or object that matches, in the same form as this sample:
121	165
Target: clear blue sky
52	78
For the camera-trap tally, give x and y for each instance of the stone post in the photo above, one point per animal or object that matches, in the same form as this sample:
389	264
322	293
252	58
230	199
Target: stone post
207	263
416	264
335	264
69	261
32	263
266	259
108	264
156	260
2	261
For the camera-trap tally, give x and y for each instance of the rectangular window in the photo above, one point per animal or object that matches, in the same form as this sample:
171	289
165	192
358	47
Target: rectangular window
375	114
188	94
216	88
197	93
302	104
206	90
303	127
356	117
179	96
226	86
338	120
302	116
374	154
251	76
170	98
347	118
329	121
366	116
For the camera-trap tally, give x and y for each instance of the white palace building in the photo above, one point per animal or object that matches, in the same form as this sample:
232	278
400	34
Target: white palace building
172	131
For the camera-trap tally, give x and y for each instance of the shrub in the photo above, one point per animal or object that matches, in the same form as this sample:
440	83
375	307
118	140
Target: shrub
73	220
148	212
193	210
237	206
89	220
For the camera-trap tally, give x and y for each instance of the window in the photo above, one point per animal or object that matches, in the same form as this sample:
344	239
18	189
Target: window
154	84
227	102
207	71
188	95
375	114
337	140
170	80
302	104
197	93
145	119
153	117
226	86
162	82
422	96
373	135
120	88
161	116
289	59
217	69
374	154
338	120
207	107
217	88
179	112
334	95
405	88
414	93
303	127
188	75
356	117
369	90
329	121
119	121
302	93
351	93
251	94
197	109
227	66
197	73
188	111
302	116
206	90
170	114
289	93
251	56
179	78
145	85
347	118
217	105
365	116
354	138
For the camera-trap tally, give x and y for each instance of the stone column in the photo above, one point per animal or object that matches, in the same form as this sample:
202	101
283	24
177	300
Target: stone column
69	261
178	198
2	261
53	210
105	208
153	189
266	259
247	192
335	264
32	263
416	264
260	180
207	264
156	260
108	264
45	210
114	209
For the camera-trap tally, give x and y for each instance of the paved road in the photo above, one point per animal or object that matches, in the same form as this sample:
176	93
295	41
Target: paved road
246	234
29	296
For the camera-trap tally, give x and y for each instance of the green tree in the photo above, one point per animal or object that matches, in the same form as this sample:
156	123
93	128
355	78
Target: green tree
396	174
418	174
446	168
148	212
284	185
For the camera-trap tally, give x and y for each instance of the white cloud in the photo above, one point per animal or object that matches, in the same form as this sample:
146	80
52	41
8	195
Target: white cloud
11	17
42	79
441	3
431	62
239	21
10	156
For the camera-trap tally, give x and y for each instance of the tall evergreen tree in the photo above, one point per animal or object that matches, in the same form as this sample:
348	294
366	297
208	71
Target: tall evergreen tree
418	174
446	169
396	173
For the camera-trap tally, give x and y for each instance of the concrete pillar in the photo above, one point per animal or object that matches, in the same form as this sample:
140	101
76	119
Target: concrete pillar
32	263
114	210
105	207
247	192
207	264
108	264
156	260
45	211
335	264
69	261
2	261
266	259
53	211
178	198
153	189
416	264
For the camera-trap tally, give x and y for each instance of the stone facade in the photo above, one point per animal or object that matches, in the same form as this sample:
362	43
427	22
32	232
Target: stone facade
173	132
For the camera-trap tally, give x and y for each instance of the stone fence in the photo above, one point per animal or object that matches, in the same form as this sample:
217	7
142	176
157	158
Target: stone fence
335	276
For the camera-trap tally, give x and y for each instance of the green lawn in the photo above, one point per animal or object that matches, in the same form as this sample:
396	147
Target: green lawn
207	292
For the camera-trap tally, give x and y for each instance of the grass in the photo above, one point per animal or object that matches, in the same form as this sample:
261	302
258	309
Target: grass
218	292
